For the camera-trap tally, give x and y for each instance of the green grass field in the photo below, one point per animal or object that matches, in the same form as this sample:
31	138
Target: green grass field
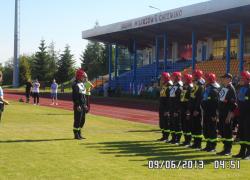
36	143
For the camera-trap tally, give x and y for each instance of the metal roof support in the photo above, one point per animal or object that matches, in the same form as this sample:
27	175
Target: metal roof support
228	53
134	68
241	64
194	47
156	57
116	63
110	63
165	51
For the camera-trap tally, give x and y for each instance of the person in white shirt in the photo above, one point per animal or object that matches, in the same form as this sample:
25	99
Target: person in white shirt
54	88
2	100
35	91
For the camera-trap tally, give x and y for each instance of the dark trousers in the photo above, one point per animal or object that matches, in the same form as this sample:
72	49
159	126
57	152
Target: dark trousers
209	129
27	95
226	131
79	118
175	126
244	128
186	121
164	121
196	122
225	128
36	97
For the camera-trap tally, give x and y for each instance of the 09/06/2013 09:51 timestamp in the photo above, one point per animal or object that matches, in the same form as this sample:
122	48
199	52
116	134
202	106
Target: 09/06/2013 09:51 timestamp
191	164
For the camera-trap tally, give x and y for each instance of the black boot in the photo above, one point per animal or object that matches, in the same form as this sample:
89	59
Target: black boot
194	145
178	139
212	147
167	137
76	134
198	143
247	157
173	140
80	134
242	152
229	149
189	138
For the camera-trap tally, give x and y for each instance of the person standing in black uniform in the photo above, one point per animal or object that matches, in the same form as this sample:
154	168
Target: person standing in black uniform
244	122
175	106
28	90
195	101
210	105
227	105
164	113
185	109
79	100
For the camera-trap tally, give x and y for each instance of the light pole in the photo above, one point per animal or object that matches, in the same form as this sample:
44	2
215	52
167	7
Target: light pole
16	45
152	7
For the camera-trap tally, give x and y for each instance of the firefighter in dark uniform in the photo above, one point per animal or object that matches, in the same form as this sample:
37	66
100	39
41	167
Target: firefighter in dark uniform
164	113
195	101
79	100
186	109
244	119
227	105
175	103
210	105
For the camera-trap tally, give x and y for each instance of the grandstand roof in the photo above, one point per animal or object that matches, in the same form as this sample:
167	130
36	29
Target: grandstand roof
208	19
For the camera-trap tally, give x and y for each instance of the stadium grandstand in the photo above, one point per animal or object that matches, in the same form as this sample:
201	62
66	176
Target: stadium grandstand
213	36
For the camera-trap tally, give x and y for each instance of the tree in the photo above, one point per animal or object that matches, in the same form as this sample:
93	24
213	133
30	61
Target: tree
24	69
65	66
53	59
8	72
40	65
94	59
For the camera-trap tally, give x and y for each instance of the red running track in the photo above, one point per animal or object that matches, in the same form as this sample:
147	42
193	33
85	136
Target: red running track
124	113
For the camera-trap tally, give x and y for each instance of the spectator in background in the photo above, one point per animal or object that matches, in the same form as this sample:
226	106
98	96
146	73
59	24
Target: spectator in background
2	100
28	90
236	81
35	91
54	88
105	89
62	88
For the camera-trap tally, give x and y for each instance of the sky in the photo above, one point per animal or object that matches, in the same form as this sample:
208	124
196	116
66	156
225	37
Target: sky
62	21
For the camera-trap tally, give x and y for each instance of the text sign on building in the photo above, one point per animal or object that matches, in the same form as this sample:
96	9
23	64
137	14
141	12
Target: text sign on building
153	19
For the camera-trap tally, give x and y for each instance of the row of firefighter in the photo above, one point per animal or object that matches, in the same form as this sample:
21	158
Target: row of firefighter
199	108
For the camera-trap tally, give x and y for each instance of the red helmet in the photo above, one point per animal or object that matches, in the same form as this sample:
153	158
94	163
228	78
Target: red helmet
188	78
211	77
197	73
79	74
245	75
177	75
166	76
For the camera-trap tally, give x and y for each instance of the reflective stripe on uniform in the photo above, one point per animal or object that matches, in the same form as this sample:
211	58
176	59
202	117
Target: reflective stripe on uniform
212	140
226	140
179	132
77	129
198	136
242	142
